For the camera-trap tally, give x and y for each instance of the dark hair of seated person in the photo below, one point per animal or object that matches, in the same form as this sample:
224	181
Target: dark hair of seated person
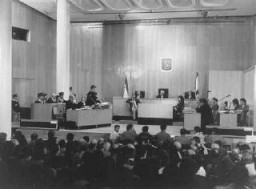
34	136
70	137
86	138
145	129
62	143
183	131
163	127
129	127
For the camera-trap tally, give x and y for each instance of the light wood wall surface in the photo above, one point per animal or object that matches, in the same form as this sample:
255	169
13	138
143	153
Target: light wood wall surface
136	51
34	62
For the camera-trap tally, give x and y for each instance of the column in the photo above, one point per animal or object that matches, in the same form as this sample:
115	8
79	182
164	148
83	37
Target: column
63	47
254	102
6	66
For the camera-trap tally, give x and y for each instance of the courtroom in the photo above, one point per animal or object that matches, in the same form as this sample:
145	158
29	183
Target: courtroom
109	94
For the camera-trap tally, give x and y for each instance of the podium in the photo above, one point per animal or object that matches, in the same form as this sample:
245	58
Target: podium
192	120
228	120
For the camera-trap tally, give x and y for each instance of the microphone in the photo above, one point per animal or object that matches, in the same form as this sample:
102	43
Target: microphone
209	91
228	95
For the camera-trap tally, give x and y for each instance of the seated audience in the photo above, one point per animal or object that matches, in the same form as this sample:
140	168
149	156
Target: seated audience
144	136
115	134
183	139
129	135
162	136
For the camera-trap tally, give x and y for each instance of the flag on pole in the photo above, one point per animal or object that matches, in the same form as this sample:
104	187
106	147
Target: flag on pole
197	83
126	88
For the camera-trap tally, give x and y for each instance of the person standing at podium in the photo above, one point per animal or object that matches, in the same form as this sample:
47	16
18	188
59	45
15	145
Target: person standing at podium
206	113
92	98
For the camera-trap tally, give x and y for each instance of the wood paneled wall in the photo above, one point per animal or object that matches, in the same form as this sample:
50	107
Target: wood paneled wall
136	50
34	62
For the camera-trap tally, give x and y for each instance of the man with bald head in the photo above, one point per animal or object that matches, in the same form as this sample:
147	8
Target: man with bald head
219	165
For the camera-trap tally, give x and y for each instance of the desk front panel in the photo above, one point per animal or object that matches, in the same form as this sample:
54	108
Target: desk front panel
90	117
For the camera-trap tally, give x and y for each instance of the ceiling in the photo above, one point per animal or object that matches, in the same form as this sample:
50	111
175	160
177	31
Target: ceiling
112	10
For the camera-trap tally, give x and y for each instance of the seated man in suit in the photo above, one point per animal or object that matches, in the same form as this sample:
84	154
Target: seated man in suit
52	99
82	103
70	104
61	98
15	108
40	98
92	98
161	94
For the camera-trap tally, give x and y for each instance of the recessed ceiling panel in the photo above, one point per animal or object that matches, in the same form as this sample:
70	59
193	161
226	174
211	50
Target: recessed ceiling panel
117	5
88	5
181	3
149	4
215	3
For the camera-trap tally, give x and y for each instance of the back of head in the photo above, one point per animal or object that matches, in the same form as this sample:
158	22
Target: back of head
163	127
70	137
129	127
51	135
145	129
86	138
183	131
34	136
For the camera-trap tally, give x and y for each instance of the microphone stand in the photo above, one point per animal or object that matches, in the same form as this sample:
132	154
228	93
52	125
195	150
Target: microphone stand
224	97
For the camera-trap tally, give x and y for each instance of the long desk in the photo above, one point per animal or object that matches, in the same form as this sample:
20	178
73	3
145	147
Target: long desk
87	118
46	111
156	111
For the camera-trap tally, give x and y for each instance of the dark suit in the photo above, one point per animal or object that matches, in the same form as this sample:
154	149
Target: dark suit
92	98
15	106
206	115
70	105
50	100
39	102
81	104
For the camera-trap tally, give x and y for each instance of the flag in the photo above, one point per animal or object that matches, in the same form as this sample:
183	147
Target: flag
126	88
197	83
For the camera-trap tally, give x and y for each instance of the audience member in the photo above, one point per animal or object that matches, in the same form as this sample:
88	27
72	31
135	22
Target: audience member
162	136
